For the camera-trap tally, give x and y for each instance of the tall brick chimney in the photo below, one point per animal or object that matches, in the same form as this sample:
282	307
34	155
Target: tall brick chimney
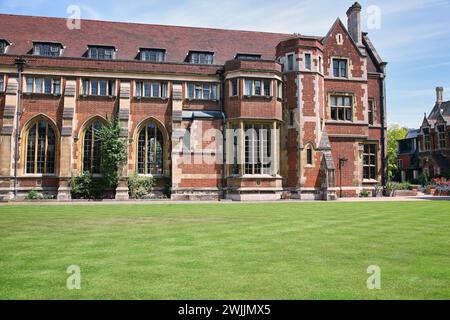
439	94
354	24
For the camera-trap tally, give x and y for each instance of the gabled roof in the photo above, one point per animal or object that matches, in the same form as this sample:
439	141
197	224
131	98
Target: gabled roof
337	23
128	38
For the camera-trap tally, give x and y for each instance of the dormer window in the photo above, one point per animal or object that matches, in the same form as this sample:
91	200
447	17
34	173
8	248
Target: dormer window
101	52
197	57
3	46
244	56
47	49
154	55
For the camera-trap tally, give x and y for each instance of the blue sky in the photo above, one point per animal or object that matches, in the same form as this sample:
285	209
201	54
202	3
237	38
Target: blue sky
414	36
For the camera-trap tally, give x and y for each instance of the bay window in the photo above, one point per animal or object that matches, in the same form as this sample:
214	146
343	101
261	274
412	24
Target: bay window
257	149
258	87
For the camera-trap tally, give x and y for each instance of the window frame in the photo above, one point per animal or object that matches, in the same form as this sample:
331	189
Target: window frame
248	56
145	152
309	156
198	92
308	61
256	141
2	83
336	96
258	85
201	57
4	46
42	83
426	139
141	87
290	62
90	126
371	154
39	48
234	87
110	92
160	55
34	124
371	111
442	136
340	61
105	49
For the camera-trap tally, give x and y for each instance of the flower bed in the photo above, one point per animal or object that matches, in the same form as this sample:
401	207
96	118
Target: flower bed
442	187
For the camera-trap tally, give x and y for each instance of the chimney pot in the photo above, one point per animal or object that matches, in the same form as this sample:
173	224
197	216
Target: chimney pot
439	94
354	24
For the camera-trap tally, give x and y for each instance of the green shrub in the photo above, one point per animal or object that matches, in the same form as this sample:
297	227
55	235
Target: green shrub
140	186
85	186
364	194
34	195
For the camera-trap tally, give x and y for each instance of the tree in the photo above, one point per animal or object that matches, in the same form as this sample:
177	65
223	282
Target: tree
395	133
113	150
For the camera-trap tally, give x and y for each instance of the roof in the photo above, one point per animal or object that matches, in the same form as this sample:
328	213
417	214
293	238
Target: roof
412	134
128	38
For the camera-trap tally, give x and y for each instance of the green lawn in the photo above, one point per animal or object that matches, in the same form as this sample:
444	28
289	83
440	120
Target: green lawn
232	251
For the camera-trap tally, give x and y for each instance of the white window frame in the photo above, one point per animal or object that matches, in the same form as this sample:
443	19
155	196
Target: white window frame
237	87
160	54
113	52
200	87
195	57
54	83
263	87
163	89
308	54
108	83
4	46
37	47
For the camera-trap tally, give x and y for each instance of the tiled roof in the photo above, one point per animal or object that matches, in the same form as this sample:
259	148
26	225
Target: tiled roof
128	38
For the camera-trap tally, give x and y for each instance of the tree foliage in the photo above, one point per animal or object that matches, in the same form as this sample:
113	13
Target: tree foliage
394	133
113	150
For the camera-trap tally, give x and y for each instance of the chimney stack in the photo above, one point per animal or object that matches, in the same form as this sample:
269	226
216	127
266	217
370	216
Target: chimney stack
439	94
354	24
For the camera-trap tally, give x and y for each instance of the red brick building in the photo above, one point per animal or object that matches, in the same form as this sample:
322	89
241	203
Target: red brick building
434	138
211	113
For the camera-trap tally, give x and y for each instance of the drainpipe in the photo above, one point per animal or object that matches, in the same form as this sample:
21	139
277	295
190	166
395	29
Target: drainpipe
221	74
20	63
383	124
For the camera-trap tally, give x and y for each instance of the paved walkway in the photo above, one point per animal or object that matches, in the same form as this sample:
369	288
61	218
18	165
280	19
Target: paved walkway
169	202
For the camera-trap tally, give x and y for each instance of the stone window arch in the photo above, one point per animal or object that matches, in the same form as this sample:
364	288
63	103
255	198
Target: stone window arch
40	146
91	146
151	148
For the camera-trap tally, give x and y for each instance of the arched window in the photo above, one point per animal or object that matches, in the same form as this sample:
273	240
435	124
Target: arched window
91	149
309	156
41	148
150	150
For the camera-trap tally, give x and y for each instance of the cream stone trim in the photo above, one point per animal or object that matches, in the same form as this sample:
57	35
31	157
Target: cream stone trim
252	74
